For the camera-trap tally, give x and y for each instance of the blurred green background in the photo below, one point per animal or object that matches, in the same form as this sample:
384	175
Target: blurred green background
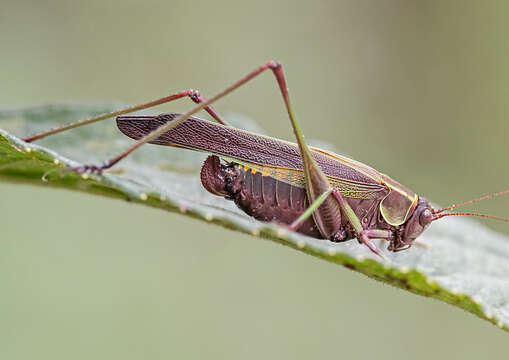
417	89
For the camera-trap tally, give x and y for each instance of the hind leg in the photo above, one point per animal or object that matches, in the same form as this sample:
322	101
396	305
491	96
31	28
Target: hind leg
192	94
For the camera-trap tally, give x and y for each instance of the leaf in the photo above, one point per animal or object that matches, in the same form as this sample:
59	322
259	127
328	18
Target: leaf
463	263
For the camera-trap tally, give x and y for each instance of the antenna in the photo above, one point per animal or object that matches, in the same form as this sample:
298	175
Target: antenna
439	216
471	202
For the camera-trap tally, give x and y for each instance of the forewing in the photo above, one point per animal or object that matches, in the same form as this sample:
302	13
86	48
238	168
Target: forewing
273	157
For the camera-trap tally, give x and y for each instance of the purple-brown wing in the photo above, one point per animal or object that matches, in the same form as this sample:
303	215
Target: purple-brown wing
276	158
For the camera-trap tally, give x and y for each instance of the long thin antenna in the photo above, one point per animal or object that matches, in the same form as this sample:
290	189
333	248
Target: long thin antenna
472	201
436	216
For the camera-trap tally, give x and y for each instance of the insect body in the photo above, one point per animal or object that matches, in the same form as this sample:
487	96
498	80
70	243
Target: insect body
265	178
312	191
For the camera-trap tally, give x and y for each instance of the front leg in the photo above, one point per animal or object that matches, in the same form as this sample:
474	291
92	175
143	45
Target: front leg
363	235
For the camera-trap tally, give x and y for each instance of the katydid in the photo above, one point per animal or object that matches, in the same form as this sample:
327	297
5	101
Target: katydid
309	190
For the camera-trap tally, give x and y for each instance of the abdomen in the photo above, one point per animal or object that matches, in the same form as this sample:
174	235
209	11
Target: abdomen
262	197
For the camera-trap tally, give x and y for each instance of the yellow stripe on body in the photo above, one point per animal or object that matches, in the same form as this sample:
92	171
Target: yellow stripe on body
296	177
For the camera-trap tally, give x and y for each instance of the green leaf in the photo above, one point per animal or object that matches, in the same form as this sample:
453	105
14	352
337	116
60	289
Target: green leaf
463	263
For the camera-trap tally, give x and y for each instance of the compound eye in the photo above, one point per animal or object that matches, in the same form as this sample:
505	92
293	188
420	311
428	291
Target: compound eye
426	217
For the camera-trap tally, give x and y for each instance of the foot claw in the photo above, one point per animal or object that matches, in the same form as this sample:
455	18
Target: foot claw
284	226
365	240
89	169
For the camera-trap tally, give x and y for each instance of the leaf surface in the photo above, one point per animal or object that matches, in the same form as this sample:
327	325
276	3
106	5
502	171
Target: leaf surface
464	263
